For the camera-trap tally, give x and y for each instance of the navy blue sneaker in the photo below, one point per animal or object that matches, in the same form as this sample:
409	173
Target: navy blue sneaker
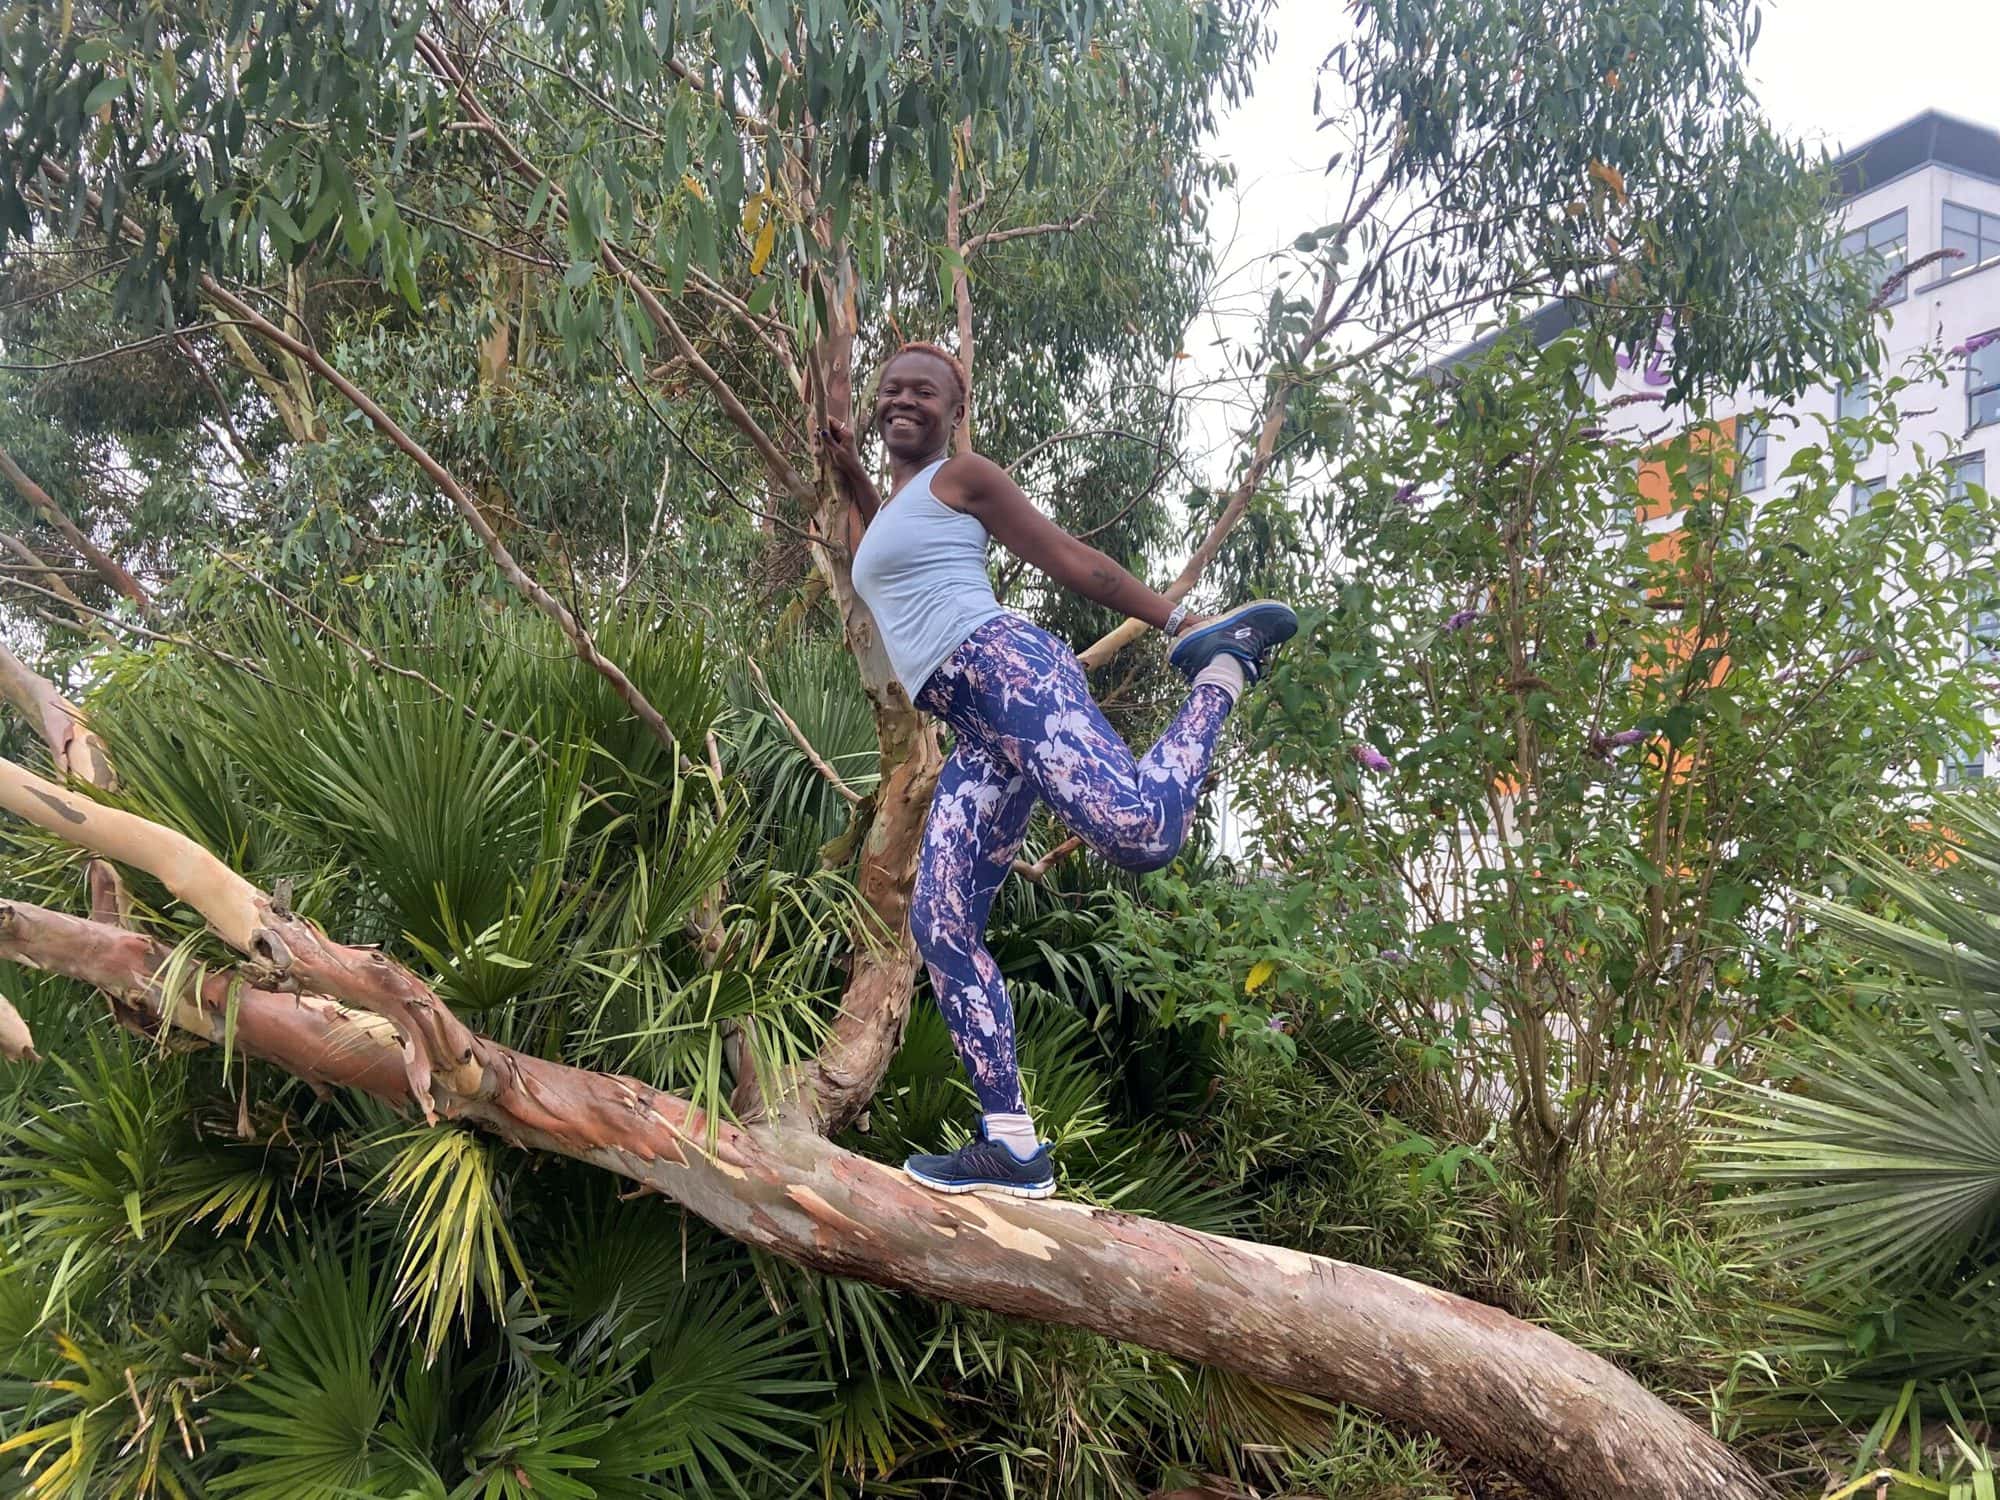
981	1165
1250	632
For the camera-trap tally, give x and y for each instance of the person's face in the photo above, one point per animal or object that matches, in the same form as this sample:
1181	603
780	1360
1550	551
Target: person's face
917	406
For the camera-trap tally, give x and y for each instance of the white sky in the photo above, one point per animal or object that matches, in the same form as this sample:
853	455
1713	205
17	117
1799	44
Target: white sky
1832	71
1837	71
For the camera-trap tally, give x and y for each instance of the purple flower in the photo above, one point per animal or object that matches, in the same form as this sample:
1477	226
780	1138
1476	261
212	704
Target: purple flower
1408	495
1462	619
1395	956
1278	1023
1590	434
1977	342
1589	639
1371	759
1786	674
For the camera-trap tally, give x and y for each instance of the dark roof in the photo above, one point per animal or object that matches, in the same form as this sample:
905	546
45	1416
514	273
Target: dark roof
1931	137
1544	325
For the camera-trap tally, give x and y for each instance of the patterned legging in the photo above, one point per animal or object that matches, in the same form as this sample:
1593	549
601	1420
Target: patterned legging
1027	728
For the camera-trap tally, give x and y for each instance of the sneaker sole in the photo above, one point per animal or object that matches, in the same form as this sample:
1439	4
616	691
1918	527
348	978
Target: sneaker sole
1009	1189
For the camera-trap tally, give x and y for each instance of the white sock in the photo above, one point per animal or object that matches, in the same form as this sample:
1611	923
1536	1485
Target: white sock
1016	1132
1225	672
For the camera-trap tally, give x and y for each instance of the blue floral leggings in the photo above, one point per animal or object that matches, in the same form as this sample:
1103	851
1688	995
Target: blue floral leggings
1027	729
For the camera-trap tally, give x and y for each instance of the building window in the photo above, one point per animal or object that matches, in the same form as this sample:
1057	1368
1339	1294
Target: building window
1985	643
1885	244
1965	772
1982	385
1852	404
1967	474
1972	231
1752	448
1862	498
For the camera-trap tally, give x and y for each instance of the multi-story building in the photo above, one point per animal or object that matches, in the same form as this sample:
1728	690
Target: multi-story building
1931	184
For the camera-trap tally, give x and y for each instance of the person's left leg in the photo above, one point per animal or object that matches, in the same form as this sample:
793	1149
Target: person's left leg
978	819
1133	810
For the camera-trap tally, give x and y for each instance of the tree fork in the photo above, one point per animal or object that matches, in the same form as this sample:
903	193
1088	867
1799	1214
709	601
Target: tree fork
1486	1383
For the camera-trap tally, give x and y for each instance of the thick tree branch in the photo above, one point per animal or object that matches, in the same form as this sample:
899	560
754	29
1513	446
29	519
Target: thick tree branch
286	950
961	280
108	568
17	1043
1486	1383
78	754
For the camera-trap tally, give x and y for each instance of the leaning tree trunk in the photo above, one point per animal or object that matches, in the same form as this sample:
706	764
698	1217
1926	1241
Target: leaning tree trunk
1486	1383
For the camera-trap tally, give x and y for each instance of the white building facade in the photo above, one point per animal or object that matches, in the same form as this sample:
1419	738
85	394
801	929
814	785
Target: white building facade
1929	185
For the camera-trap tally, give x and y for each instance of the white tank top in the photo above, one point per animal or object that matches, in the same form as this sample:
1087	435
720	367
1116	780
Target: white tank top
921	570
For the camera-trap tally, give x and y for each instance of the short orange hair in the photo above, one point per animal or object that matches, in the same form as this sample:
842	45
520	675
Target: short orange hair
958	370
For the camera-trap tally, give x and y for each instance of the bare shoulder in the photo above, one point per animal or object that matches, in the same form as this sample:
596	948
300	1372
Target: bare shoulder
971	481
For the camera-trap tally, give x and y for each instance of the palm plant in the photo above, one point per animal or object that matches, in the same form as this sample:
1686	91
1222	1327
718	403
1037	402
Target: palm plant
213	1281
1869	1161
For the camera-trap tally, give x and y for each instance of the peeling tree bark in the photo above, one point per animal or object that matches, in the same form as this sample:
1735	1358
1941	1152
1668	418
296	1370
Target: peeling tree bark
77	752
1485	1382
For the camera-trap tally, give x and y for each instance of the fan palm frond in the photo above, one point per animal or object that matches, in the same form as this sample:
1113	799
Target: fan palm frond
444	814
455	1235
85	1176
537	1443
1879	1155
310	1424
615	1267
797	811
731	1384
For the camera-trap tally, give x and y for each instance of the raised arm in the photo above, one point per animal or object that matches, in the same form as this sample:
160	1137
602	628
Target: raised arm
853	477
980	487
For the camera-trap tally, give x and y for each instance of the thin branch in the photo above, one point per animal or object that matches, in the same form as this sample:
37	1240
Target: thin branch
1077	434
798	735
688	448
1038	871
579	638
109	570
35	563
74	282
381	664
98	356
518	163
130	627
992	237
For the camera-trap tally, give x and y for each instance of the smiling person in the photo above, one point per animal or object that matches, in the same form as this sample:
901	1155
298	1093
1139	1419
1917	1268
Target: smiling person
1026	728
